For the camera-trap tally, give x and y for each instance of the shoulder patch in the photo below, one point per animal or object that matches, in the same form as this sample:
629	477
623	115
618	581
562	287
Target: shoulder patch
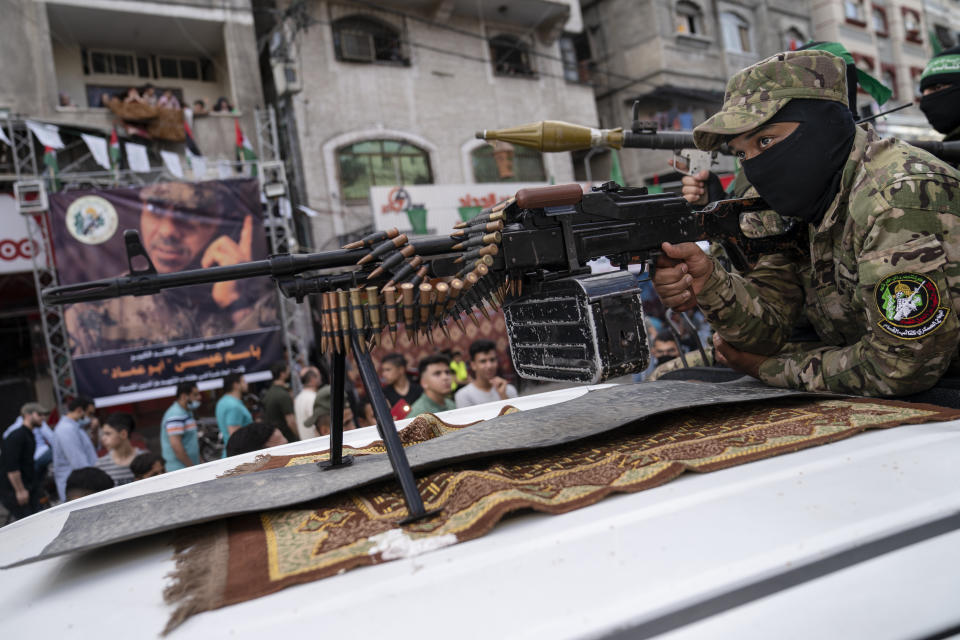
910	305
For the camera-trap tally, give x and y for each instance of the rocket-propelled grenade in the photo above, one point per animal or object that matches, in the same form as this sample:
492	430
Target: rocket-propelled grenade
553	135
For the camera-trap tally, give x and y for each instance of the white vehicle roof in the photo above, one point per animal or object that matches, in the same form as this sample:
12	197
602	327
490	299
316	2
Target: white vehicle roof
855	539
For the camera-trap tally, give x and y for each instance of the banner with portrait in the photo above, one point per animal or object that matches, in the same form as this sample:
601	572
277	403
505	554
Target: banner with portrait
131	347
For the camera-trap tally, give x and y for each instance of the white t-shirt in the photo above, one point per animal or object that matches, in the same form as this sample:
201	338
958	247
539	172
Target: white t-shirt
303	409
471	395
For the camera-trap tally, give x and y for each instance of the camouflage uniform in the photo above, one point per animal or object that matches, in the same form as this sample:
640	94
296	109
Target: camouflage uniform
895	221
168	316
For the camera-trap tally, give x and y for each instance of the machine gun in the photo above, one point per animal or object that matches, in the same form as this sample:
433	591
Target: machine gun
527	255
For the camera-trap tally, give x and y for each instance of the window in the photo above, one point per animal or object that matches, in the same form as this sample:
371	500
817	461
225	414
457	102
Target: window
944	37
510	57
380	163
736	33
911	25
793	39
880	21
888	75
527	165
854	13
577	58
108	62
364	39
119	63
689	18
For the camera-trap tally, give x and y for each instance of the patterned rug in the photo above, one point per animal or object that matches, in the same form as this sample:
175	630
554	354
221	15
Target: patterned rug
246	557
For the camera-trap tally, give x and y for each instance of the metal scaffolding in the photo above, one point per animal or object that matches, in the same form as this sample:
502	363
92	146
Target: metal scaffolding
280	230
30	190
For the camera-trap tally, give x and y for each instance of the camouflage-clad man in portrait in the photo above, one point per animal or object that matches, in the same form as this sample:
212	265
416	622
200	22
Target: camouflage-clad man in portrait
182	226
940	86
881	215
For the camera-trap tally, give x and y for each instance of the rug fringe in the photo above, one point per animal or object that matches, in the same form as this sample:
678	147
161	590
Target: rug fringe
198	580
248	467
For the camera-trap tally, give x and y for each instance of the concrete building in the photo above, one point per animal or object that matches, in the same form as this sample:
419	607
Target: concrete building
391	92
674	57
891	40
60	57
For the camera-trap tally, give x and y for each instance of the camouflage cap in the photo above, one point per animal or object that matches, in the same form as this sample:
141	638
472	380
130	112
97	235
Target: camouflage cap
756	93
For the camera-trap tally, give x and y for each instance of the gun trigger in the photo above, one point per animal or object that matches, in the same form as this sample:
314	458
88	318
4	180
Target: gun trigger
131	238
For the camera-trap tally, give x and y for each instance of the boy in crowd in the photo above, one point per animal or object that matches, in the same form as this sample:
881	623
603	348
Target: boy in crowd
253	437
115	436
396	385
147	465
178	431
231	412
435	378
86	481
486	385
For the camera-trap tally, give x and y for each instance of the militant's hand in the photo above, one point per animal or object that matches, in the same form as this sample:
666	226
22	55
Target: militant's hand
742	361
681	273
223	252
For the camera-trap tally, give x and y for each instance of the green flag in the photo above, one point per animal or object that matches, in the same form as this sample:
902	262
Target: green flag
935	42
50	162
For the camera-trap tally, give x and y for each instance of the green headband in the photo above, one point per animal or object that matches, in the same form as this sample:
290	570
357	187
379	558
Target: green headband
942	64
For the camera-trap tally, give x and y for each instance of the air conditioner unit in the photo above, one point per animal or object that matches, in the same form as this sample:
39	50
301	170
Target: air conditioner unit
357	46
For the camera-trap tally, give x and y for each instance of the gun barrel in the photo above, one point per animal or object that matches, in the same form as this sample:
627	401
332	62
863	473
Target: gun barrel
947	151
276	267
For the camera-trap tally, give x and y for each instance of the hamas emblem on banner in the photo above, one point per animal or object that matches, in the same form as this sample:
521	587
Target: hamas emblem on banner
91	219
910	305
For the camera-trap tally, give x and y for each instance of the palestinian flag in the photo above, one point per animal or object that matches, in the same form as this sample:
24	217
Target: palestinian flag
50	162
244	148
114	150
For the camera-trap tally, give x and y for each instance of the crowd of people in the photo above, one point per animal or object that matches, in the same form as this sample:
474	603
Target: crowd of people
41	465
165	99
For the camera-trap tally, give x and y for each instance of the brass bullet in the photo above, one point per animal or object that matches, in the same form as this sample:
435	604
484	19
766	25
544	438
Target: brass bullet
383	248
405	271
390	307
393	260
426	301
376	236
407	293
417	279
344	309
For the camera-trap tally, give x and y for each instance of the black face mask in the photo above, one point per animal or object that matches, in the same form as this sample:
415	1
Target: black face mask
664	360
942	109
800	176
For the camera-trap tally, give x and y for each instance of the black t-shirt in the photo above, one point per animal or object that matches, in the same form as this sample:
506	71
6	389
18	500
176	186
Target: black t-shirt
393	397
16	454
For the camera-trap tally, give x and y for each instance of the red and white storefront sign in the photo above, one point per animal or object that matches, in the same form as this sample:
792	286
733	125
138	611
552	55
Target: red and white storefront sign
15	245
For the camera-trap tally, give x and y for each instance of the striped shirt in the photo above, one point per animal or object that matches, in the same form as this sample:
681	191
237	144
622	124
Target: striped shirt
121	474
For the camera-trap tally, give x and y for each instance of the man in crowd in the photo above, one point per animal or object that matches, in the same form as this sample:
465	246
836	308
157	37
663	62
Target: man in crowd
396	385
486	385
940	86
230	411
19	482
663	350
72	447
435	378
254	437
43	435
303	403
178	429
277	403
115	436
86	481
182	226
147	465
880	284
318	422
